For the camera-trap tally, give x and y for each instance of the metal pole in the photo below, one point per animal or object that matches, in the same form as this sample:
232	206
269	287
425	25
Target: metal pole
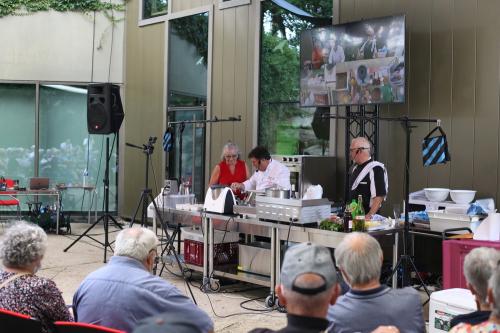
106	199
194	155
407	200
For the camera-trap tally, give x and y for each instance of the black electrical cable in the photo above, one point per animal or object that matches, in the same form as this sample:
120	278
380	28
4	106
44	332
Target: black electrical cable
288	236
250	309
86	170
222	242
234	314
154	176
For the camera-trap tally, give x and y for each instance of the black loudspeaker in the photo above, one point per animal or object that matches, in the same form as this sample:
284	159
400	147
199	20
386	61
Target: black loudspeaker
320	125
104	108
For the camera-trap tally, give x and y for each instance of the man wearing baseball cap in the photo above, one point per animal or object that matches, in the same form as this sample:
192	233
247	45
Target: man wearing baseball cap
308	286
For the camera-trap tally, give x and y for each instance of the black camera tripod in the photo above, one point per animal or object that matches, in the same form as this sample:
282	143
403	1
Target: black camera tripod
146	195
106	217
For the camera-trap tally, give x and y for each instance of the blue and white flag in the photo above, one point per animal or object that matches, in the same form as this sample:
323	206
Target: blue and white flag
168	139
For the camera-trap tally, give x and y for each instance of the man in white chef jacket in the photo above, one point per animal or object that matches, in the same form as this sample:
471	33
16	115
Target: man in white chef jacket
269	173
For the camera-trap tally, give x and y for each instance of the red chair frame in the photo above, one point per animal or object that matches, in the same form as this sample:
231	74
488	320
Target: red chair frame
11	321
12	201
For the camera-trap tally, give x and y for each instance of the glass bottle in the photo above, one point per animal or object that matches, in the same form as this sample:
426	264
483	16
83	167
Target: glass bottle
352	208
358	222
347	218
359	206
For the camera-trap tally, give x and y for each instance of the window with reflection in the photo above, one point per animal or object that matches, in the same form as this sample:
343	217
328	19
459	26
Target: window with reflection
284	126
17	134
154	8
67	154
187	98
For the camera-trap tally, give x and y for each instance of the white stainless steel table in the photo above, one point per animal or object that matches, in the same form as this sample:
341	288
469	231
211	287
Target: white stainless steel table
277	232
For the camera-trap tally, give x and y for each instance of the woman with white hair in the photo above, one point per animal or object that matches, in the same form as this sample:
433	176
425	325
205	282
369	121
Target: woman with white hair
492	325
231	169
22	248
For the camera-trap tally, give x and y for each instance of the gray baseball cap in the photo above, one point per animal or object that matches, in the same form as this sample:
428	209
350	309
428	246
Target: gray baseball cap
308	258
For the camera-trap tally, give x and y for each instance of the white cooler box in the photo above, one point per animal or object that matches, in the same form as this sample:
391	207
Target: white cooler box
447	304
442	219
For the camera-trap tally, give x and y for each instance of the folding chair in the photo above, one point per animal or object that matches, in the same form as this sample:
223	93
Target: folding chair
8	199
11	321
71	327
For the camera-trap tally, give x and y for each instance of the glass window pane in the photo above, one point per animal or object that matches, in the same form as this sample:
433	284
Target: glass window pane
284	127
188	54
17	134
190	149
292	130
152	8
67	152
187	96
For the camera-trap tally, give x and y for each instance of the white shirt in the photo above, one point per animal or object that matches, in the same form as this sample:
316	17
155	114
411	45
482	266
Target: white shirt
275	175
337	56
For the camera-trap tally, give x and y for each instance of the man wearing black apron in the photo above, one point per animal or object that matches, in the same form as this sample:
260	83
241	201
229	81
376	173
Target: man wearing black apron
367	178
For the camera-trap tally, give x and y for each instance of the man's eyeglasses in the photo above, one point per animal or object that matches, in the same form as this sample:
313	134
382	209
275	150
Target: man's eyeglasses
359	148
230	156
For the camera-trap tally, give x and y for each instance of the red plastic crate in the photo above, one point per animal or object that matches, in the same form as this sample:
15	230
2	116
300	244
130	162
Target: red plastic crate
224	253
454	252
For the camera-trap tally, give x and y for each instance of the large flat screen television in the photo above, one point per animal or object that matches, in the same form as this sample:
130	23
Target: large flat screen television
354	63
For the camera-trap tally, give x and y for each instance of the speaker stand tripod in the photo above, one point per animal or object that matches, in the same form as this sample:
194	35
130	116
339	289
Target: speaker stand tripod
146	195
106	217
405	260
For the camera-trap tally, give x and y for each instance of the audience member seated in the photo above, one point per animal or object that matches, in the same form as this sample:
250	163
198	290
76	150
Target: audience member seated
368	304
124	291
22	248
168	322
479	265
231	169
492	325
308	286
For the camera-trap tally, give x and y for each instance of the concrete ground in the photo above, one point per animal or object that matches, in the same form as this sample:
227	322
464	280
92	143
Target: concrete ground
69	268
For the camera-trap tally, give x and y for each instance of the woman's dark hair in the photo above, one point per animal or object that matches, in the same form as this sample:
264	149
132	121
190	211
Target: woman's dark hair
260	153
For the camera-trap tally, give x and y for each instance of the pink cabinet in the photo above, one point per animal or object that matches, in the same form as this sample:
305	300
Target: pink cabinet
454	252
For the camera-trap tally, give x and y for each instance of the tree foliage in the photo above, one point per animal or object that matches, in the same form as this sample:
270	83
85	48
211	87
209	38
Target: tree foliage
283	20
279	74
279	111
24	7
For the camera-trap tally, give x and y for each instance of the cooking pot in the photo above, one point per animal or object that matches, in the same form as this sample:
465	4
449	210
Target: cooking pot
278	193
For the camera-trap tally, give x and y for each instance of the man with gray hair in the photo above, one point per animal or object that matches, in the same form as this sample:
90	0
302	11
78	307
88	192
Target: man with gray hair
308	286
479	265
367	178
124	291
368	304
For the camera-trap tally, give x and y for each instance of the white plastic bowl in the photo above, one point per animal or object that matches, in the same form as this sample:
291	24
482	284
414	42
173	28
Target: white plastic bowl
436	194
462	196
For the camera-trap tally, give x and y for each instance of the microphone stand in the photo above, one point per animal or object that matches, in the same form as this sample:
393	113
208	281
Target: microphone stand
405	260
182	126
146	195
